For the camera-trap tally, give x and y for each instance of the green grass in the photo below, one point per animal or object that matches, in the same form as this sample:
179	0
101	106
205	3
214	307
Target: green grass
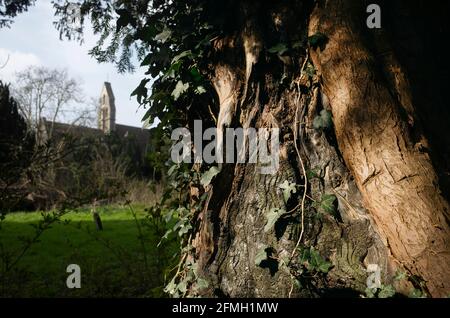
112	261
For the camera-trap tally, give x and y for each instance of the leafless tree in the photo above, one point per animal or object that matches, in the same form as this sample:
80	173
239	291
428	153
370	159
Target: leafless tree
50	93
86	115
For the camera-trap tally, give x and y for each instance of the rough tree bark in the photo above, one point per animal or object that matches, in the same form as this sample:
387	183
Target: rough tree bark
378	161
386	153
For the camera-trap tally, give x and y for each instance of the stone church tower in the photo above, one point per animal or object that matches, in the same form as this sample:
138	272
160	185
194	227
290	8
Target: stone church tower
107	110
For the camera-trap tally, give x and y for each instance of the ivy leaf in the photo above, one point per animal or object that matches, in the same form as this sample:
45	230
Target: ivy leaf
288	188
387	291
146	34
370	292
310	70
201	284
180	88
165	236
141	91
171	170
323	121
164	35
173	70
417	293
317	262
261	255
272	217
304	256
182	286
195	74
318	40
297	45
209	175
312	173
315	258
183	54
124	19
200	90
184	229
325	267
279	49
327	203
171	287
400	275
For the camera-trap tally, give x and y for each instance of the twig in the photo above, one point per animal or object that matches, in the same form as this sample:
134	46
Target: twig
45	225
141	235
212	114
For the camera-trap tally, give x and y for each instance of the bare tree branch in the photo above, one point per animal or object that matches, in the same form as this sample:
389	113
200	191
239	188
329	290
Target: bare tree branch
53	94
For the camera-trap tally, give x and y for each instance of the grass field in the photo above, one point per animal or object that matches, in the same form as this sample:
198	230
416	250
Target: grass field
115	262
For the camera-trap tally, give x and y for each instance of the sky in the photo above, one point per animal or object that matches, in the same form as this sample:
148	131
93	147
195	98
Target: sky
33	40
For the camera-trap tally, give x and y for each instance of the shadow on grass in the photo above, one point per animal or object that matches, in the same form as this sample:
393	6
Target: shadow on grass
112	261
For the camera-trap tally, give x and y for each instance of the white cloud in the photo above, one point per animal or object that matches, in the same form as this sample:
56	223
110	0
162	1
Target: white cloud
15	61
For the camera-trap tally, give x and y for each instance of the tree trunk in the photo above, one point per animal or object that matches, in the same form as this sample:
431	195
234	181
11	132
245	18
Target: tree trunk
377	159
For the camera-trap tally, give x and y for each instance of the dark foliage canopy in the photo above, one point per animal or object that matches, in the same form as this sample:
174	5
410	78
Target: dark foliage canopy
12	125
16	143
